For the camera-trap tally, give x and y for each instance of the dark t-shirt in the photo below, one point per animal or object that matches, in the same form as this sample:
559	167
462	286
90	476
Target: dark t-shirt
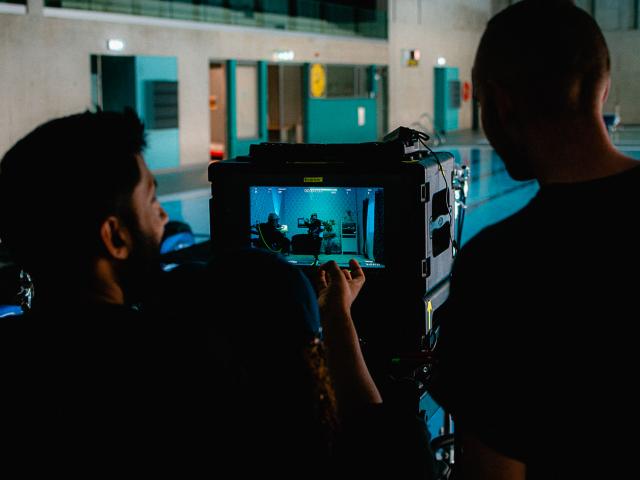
537	345
315	228
384	441
103	388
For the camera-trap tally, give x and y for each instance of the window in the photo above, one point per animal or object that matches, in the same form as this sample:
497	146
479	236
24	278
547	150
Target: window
347	81
616	14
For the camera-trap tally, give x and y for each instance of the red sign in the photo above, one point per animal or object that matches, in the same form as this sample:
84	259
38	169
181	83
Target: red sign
466	91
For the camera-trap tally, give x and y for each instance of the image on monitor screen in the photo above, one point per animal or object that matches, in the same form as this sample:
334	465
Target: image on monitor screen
312	225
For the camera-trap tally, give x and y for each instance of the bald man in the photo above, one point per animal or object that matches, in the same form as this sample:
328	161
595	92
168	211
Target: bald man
536	362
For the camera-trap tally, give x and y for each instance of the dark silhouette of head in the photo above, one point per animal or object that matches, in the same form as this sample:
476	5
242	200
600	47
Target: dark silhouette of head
273	219
272	376
74	192
538	63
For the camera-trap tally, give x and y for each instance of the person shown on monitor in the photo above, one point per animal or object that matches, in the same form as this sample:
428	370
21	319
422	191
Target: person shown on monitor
271	235
315	233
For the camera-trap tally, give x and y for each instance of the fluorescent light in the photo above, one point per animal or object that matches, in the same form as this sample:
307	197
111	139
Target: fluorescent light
115	45
441	61
283	55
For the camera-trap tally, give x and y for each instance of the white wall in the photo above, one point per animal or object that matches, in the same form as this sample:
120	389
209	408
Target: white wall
451	29
45	69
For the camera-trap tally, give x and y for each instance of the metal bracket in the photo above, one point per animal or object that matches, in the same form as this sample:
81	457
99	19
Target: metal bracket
425	267
437	223
425	193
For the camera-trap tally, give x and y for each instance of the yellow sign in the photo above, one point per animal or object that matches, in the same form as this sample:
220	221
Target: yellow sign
318	80
313	179
429	310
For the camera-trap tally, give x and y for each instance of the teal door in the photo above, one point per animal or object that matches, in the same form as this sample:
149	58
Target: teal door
340	103
148	85
446	98
157	105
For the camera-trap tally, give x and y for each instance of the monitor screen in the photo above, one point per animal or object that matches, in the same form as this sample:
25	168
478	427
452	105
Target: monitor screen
312	225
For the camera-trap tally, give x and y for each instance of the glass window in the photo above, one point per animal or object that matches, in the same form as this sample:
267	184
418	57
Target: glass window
586	5
347	81
616	14
627	14
247	101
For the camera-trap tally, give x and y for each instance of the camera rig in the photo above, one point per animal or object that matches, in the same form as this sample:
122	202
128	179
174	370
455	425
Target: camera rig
414	237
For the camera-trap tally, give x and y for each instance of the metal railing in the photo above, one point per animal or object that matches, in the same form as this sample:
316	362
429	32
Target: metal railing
297	15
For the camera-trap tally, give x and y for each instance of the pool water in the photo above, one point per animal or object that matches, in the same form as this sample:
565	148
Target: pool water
493	195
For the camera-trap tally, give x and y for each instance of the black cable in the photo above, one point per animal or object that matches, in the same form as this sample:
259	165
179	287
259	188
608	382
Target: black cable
265	242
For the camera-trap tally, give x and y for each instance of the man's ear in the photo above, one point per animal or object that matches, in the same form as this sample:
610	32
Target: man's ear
116	238
501	101
607	89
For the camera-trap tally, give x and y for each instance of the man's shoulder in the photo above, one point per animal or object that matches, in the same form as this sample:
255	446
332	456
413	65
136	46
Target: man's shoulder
502	236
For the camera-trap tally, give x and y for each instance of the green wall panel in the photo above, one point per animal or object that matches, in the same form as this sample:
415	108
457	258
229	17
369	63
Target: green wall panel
163	146
445	115
335	120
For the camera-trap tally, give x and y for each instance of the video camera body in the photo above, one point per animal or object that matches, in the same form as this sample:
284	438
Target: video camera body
390	206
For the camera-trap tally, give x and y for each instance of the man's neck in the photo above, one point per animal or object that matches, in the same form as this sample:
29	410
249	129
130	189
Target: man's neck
106	288
574	151
100	286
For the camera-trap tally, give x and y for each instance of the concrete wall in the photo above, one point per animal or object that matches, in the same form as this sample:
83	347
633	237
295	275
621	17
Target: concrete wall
35	88
45	64
45	61
446	28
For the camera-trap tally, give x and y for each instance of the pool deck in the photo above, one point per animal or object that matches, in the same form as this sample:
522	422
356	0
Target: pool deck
194	177
184	192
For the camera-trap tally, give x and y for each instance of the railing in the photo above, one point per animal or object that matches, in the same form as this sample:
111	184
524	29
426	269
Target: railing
297	15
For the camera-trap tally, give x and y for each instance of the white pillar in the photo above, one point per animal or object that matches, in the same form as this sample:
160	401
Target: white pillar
35	7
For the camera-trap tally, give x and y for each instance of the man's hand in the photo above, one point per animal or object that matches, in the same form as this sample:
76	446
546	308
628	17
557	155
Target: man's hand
338	288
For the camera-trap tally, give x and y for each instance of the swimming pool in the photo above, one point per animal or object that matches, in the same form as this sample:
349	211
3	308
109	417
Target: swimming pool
493	195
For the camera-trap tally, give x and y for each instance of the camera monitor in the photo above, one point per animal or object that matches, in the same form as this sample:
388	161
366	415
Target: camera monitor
311	224
387	205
